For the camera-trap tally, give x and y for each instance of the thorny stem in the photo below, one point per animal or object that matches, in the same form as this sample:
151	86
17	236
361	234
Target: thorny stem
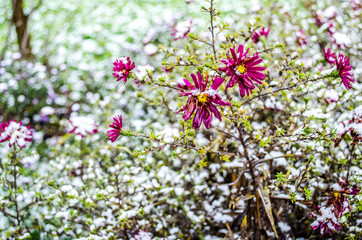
212	26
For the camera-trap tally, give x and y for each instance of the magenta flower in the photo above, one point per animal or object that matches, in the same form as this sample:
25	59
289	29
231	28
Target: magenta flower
301	38
15	133
202	100
337	197
122	68
83	126
243	70
116	126
344	69
329	56
326	220
262	32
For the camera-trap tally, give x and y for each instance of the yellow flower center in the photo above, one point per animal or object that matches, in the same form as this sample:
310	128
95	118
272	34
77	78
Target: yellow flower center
336	194
203	97
241	68
124	70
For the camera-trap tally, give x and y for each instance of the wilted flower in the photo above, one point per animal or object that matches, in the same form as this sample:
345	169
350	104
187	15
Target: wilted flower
202	100
258	33
116	128
329	56
326	220
344	69
301	38
354	127
243	70
122	68
337	197
83	126
14	132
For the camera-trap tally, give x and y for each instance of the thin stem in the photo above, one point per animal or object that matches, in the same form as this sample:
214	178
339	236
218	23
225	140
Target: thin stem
285	88
212	26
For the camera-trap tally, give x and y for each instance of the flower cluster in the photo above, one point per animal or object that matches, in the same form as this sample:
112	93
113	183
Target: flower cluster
202	99
83	126
354	127
262	32
122	68
328	216
15	133
243	69
343	66
116	126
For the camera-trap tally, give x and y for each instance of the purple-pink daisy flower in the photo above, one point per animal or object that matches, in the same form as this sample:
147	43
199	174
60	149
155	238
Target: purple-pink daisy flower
122	68
116	126
344	69
243	69
202	100
258	33
15	133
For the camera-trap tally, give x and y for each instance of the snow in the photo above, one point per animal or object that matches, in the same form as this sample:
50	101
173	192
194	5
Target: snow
83	125
336	187
342	39
284	227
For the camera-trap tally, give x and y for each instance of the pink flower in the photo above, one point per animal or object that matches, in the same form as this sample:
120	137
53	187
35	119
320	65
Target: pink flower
116	128
243	70
329	56
122	68
83	126
14	132
202	100
301	38
344	69
326	220
262	32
